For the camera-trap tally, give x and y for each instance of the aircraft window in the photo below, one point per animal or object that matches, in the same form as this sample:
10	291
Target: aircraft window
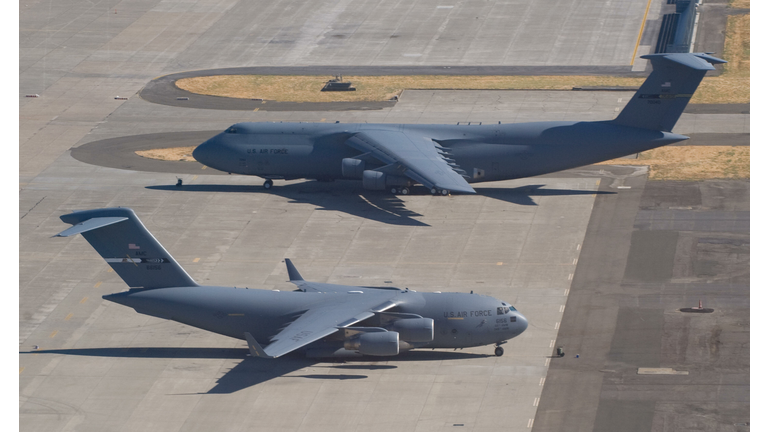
502	310
231	130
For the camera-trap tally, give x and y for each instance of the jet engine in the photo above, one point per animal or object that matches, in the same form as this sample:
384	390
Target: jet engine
377	180
415	329
352	168
382	343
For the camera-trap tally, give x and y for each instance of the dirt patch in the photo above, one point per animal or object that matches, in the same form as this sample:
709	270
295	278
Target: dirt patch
692	162
739	4
183	154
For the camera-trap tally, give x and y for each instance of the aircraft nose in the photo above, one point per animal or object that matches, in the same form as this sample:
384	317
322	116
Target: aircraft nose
204	153
522	323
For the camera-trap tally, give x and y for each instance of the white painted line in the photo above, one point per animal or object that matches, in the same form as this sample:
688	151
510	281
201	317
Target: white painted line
541	381
535	401
552	343
578	246
570	277
575	260
660	371
557	325
567	290
445	7
562	308
546	361
623	187
530	423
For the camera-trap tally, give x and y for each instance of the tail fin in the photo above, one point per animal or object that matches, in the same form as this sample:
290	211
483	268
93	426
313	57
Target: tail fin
665	93
121	239
293	274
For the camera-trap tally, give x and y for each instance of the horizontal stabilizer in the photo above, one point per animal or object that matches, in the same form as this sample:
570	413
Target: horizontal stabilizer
90	224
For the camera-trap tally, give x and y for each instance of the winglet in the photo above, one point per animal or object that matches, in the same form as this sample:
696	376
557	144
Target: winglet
293	274
255	348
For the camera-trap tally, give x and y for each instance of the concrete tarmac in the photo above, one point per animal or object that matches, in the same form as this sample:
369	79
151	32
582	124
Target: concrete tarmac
102	367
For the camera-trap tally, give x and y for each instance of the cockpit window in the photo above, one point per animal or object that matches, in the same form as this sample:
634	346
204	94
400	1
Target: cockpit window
502	310
232	129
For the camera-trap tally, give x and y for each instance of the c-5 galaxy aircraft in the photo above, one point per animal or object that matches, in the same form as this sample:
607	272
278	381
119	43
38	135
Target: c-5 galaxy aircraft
446	158
323	320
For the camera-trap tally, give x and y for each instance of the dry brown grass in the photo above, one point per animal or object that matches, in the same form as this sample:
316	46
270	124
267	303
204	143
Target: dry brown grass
169	154
739	4
692	162
731	87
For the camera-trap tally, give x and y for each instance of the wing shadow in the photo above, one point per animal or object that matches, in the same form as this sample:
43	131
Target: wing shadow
343	196
253	371
523	195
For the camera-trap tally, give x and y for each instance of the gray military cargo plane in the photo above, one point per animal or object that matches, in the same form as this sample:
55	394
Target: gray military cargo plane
446	158
322	320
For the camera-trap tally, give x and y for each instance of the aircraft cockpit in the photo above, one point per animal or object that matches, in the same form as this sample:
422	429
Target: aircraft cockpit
231	130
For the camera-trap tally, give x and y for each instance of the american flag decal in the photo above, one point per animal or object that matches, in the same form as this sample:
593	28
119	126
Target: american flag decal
667	84
133	246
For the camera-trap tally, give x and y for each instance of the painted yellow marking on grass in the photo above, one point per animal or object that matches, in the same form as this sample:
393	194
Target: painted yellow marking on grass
85	299
68	317
98	284
640	35
196	260
53	334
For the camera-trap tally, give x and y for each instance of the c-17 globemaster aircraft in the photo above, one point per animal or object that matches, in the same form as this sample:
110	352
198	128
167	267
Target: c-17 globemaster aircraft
323	320
446	158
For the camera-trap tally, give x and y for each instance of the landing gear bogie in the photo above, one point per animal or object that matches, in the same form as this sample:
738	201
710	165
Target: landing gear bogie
400	191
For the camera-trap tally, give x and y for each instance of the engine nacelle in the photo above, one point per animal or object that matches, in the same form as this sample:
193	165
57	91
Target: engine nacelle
385	343
415	329
352	168
377	180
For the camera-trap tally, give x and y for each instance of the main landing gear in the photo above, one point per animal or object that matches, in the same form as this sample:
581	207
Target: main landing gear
436	191
499	351
400	191
268	184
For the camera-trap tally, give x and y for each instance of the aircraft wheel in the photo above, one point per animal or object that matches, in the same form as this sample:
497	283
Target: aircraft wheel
404	191
433	191
499	351
393	190
268	184
444	192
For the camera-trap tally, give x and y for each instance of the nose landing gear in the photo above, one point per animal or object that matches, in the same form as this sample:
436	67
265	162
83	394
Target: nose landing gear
268	184
499	351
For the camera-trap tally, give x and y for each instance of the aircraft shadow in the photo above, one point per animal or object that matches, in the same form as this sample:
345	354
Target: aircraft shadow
337	196
253	371
523	195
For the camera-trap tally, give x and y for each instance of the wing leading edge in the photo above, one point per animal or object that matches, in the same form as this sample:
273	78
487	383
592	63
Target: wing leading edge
420	158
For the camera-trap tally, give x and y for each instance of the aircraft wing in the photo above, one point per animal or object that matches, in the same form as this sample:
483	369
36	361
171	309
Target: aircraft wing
338	311
414	156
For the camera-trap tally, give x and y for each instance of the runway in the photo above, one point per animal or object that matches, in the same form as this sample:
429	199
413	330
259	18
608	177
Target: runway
569	250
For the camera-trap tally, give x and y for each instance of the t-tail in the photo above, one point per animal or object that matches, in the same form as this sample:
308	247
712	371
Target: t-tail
665	93
121	239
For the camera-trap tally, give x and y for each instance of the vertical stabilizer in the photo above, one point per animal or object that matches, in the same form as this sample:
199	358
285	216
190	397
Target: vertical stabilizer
121	239
665	93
